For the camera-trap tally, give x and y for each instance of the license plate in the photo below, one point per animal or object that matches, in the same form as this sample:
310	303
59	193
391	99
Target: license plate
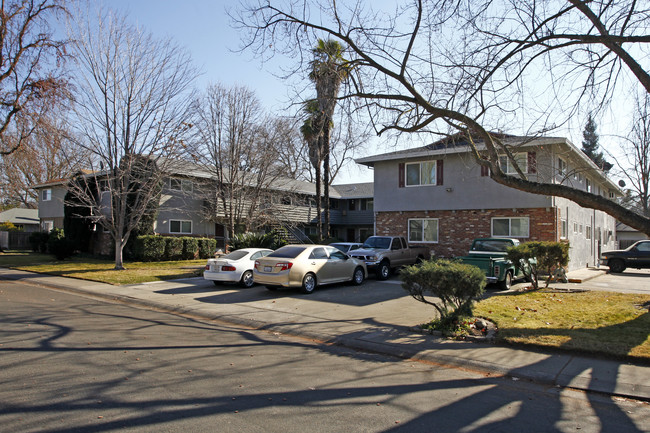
268	268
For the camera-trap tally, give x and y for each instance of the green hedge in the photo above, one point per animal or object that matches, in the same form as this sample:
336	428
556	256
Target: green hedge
152	248
173	248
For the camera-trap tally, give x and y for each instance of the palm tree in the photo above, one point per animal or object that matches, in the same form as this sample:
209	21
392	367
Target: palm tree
328	70
312	135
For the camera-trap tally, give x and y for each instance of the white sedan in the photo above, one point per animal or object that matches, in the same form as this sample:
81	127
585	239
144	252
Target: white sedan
234	267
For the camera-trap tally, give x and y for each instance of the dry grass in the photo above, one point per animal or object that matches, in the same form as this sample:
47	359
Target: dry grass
614	324
102	270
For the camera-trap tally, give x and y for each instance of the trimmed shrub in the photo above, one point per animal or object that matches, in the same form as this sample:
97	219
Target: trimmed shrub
190	248
149	248
455	284
274	239
173	248
38	241
59	246
207	247
541	256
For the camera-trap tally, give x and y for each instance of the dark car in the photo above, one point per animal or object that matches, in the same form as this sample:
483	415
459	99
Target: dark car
636	256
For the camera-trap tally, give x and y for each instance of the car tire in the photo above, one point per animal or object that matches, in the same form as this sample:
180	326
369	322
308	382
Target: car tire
616	266
506	284
308	283
247	279
358	276
383	271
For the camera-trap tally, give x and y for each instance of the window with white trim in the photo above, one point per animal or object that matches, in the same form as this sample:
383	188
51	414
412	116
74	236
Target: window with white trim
511	227
423	230
47	225
588	184
564	229
421	173
520	158
575	227
176	184
46	195
561	167
588	232
180	226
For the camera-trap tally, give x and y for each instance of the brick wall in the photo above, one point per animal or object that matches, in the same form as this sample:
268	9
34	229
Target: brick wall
457	229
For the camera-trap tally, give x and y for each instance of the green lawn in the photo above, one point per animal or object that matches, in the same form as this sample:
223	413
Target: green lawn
614	324
100	269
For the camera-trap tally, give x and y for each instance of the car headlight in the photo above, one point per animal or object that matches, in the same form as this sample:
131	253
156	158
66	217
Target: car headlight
373	258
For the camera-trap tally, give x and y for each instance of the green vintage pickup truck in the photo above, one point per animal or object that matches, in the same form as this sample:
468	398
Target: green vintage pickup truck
489	254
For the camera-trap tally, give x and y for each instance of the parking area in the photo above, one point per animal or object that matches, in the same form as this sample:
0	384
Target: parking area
629	281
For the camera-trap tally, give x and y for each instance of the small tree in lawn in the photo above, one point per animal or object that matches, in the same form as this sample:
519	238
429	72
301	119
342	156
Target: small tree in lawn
455	284
536	257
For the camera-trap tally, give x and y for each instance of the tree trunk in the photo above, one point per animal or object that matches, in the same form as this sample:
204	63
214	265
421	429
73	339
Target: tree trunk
318	201
119	261
326	179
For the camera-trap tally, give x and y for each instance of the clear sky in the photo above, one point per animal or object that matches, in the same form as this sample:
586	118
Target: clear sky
203	27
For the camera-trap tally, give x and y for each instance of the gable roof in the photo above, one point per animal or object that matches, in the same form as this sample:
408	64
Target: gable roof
458	144
20	216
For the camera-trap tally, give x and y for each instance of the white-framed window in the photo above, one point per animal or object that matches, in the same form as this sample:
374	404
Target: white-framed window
177	184
564	229
180	226
47	225
509	168
588	232
367	203
421	173
46	195
612	195
511	227
588	184
561	167
424	230
580	229
575	227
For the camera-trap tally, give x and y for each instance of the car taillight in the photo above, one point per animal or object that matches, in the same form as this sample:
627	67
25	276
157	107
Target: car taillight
284	265
207	267
257	264
227	268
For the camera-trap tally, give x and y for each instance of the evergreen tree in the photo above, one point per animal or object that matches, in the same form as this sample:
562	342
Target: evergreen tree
590	145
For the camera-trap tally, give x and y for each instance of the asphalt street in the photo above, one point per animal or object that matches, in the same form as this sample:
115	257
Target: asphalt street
74	363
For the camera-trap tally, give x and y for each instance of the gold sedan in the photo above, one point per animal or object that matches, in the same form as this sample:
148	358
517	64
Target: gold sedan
307	266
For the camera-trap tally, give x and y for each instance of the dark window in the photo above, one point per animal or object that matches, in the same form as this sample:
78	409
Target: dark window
287	252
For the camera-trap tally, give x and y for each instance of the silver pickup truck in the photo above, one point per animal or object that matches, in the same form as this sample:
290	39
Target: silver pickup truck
382	254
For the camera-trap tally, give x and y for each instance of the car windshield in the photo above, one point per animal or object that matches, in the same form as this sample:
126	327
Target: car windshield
288	252
377	242
494	245
235	255
341	247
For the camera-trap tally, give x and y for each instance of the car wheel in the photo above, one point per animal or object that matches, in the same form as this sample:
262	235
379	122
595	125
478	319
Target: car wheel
616	266
247	279
216	283
308	283
358	276
506	284
383	271
272	288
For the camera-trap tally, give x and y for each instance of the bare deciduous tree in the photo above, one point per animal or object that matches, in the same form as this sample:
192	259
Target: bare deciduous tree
131	104
48	153
236	144
471	66
636	154
28	60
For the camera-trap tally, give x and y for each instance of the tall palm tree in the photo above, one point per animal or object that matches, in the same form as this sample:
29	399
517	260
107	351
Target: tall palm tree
328	70
312	135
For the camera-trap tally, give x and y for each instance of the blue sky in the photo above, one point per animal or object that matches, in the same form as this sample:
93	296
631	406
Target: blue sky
203	27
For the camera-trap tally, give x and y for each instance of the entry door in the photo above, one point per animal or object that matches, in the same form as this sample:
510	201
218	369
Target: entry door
350	236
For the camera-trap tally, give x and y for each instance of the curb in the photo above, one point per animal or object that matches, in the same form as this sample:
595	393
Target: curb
361	341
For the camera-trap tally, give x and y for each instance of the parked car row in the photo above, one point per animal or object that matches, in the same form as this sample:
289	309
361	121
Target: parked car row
301	266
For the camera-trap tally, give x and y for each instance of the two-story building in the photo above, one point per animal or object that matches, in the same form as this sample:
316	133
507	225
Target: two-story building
437	196
184	209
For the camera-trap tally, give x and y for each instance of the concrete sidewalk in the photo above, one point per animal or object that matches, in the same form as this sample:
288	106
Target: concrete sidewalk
373	317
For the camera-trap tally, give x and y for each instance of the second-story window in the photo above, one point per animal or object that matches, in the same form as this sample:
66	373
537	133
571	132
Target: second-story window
352	205
561	167
588	184
176	184
421	173
509	168
46	195
367	204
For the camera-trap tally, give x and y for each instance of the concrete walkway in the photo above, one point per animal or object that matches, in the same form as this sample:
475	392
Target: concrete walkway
373	317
